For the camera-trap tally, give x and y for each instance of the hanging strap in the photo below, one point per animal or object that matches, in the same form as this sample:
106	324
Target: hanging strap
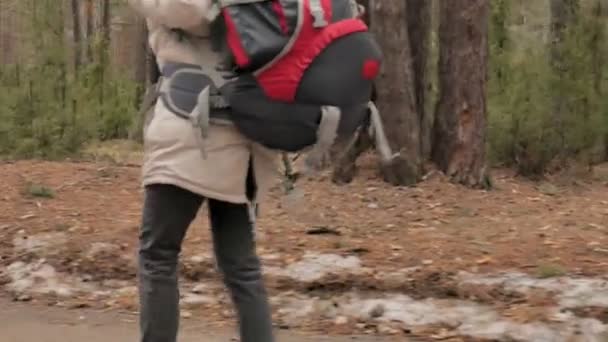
318	14
326	136
382	145
199	118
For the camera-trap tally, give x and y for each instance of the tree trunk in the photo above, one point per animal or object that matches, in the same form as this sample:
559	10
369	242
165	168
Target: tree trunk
104	50
419	29
345	167
106	21
147	75
141	58
347	153
459	133
598	41
500	29
418	21
77	29
395	90
365	4
563	15
153	73
600	53
64	64
88	15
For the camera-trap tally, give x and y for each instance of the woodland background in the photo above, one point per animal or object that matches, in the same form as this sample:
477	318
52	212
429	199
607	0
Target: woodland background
529	90
508	94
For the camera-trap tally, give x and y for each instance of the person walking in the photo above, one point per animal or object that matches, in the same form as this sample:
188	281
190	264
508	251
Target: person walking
229	173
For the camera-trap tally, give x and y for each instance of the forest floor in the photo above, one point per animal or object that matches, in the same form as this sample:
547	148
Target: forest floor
525	261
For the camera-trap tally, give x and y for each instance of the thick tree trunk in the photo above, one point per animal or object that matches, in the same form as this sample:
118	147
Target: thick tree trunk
395	90
459	134
419	29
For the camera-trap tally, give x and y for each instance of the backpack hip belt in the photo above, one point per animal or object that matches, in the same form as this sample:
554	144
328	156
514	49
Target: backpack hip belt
188	92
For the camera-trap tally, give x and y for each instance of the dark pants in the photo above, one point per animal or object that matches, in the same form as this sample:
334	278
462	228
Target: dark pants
167	214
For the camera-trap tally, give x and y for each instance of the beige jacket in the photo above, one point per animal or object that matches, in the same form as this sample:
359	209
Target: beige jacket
172	153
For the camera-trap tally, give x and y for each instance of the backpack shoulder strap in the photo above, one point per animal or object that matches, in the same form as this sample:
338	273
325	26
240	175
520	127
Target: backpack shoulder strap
226	3
217	5
318	13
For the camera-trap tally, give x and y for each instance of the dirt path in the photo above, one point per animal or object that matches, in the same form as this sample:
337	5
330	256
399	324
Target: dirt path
27	323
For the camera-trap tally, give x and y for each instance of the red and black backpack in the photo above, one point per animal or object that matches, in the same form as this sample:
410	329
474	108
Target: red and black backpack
309	52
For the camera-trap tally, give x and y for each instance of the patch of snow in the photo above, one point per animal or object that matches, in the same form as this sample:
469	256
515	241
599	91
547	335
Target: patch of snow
101	247
401	308
315	266
570	292
197	299
341	320
466	318
201	258
293	308
40	277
